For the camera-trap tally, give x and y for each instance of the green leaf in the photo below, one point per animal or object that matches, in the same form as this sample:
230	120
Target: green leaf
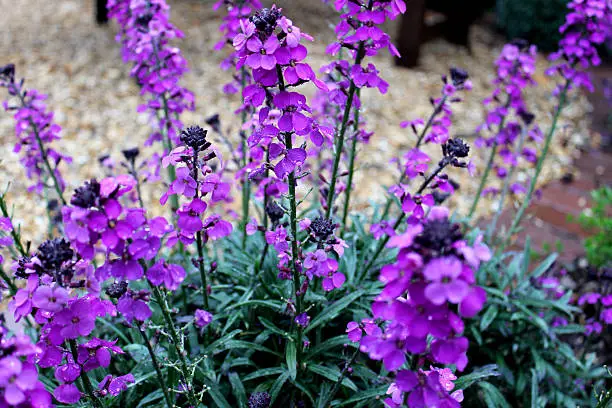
291	357
270	326
488	317
371	394
534	388
492	396
238	389
150	398
337	341
332	374
239	344
264	372
330	312
544	266
278	385
467	380
218	398
217	343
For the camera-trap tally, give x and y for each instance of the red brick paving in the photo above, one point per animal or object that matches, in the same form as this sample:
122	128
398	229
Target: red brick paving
547	218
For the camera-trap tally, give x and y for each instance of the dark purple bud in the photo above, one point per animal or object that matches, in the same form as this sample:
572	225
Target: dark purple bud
131	154
7	74
322	228
274	211
117	289
214	122
456	148
260	400
87	195
438	236
53	253
266	20
527	117
195	137
458	76
144	19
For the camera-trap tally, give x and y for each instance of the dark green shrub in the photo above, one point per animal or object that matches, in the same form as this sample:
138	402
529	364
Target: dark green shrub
537	21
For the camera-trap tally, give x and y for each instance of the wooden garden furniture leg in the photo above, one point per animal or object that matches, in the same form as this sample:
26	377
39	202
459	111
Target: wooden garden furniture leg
410	34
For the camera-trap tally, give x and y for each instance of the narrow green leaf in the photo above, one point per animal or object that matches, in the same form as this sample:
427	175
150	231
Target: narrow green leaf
278	386
467	380
488	317
217	397
212	346
264	372
238	389
272	327
291	357
534	388
332	374
492	396
544	266
330	312
372	394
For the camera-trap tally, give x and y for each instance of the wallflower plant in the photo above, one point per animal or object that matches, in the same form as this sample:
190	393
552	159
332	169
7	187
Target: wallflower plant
300	303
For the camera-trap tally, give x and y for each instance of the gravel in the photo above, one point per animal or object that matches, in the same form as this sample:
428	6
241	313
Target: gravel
60	51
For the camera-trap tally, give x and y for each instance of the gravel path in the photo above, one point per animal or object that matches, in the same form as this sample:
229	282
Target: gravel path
60	51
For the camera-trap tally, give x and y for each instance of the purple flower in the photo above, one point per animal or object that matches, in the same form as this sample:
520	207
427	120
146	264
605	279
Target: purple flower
302	319
67	394
96	353
202	318
50	298
262	53
133	306
77	319
171	275
292	119
68	373
444	275
115	385
184	184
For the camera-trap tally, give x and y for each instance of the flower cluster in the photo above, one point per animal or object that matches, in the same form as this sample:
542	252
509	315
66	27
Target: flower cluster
35	133
359	33
61	294
587	25
145	35
19	383
428	289
237	11
195	181
508	118
437	128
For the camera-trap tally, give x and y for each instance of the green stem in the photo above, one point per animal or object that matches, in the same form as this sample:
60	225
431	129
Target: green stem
506	188
349	183
338	383
160	377
202	269
9	282
246	187
491	159
340	142
483	180
539	166
176	342
398	222
291	181
43	152
14	234
436	112
85	378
